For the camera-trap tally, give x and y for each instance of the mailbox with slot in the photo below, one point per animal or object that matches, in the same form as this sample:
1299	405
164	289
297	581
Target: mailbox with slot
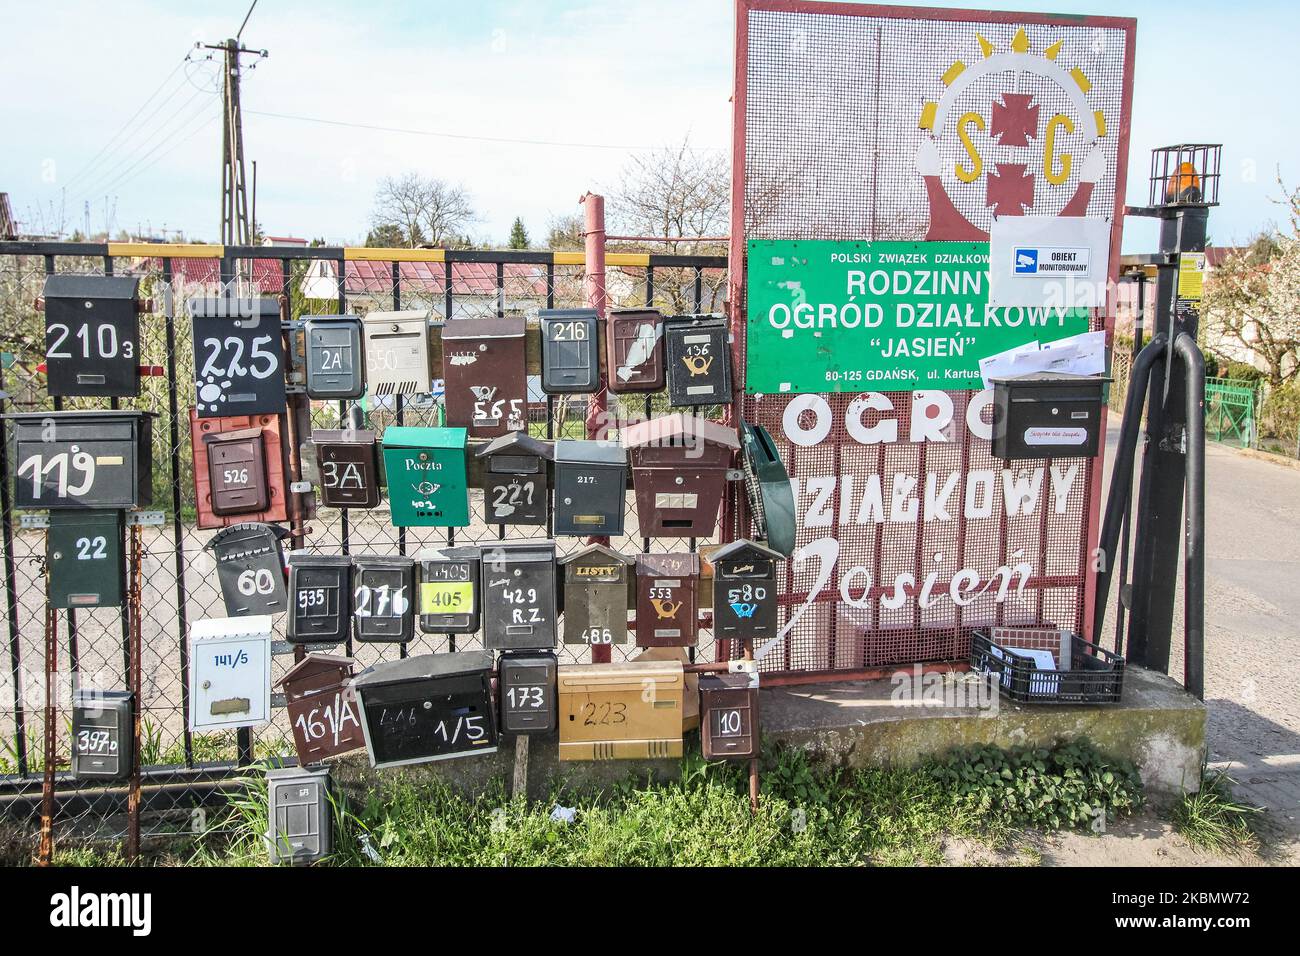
597	582
238	357
484	375
621	711
397	352
570	353
250	568
230	672
679	471
519	594
516	480
425	469
83	552
102	734
449	590
319	593
634	350
526	691
95	459
590	488
238	469
92	336
348	462
322	712
429	707
744	590
335	360
666	600
699	360
299	827
729	715
383	598
1047	415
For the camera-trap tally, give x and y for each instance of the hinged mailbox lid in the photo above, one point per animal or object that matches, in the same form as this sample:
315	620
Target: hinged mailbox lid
92	336
250	568
90	459
423	667
680	439
584	678
516	479
314	673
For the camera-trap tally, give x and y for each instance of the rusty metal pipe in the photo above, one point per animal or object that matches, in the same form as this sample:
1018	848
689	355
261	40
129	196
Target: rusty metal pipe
137	655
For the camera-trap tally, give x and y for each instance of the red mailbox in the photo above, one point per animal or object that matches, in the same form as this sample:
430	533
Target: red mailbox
679	471
321	712
484	376
635	350
666	602
238	469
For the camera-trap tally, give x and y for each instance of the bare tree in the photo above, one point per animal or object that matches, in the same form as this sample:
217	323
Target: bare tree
565	232
425	209
676	194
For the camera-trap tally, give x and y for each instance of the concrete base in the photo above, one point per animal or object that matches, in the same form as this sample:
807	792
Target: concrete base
1157	726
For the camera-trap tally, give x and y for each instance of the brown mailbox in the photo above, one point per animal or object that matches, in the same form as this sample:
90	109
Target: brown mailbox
516	483
238	469
729	716
595	596
679	471
322	713
484	376
635	350
348	461
666	602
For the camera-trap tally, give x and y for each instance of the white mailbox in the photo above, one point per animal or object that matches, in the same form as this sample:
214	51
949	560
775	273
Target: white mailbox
230	672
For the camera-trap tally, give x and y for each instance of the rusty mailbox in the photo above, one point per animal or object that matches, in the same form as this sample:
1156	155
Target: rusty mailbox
383	598
698	360
319	592
570	356
597	582
449	590
621	711
348	462
484	375
634	350
590	488
744	590
250	568
519	609
679	471
92	335
397	352
238	469
729	715
335	360
526	692
516	479
322	713
666	601
91	459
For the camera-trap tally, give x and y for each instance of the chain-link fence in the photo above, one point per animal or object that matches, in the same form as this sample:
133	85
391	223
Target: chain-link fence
184	775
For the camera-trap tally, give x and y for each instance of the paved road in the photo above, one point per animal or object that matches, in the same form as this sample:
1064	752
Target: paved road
1252	665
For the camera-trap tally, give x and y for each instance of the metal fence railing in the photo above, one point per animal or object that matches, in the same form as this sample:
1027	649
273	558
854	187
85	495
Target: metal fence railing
1230	411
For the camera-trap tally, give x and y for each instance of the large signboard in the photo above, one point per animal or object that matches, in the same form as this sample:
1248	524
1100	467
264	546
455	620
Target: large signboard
861	316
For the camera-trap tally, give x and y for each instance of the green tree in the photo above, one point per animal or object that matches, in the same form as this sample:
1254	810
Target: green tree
518	235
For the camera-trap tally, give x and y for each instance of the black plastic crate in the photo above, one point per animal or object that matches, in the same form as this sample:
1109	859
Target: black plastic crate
1094	674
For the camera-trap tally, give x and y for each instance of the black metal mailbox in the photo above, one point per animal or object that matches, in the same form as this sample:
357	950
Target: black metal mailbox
590	488
250	568
92	336
570	356
516	479
699	360
84	556
519	594
744	590
383	591
526	691
449	591
667	605
95	459
729	716
335	360
348	461
1047	415
239	364
597	582
430	707
102	734
319	591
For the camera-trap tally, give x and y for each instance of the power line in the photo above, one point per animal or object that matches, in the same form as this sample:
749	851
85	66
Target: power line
245	23
184	136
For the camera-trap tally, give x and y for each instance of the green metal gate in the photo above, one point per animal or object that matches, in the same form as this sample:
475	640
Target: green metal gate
1230	411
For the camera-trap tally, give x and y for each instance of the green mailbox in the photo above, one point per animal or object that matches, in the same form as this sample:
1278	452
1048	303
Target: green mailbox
426	476
84	552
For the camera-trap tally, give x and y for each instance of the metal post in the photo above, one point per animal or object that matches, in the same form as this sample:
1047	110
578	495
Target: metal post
1194	544
11	597
594	281
46	853
133	783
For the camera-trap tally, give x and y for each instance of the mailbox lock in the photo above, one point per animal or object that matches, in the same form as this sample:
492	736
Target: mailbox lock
1056	411
90	305
423	456
678	479
394	327
428	705
207	685
57	555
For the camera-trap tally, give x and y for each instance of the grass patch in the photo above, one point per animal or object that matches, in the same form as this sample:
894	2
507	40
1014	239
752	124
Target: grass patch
1212	819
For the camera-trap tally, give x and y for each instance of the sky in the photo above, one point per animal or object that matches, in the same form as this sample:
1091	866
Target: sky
534	102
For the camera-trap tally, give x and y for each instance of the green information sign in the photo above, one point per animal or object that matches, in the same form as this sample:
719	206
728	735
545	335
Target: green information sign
881	316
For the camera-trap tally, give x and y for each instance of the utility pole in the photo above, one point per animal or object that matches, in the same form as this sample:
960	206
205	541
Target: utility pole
235	227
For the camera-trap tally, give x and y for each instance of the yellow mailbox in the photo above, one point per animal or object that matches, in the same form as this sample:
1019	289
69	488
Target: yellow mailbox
623	711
